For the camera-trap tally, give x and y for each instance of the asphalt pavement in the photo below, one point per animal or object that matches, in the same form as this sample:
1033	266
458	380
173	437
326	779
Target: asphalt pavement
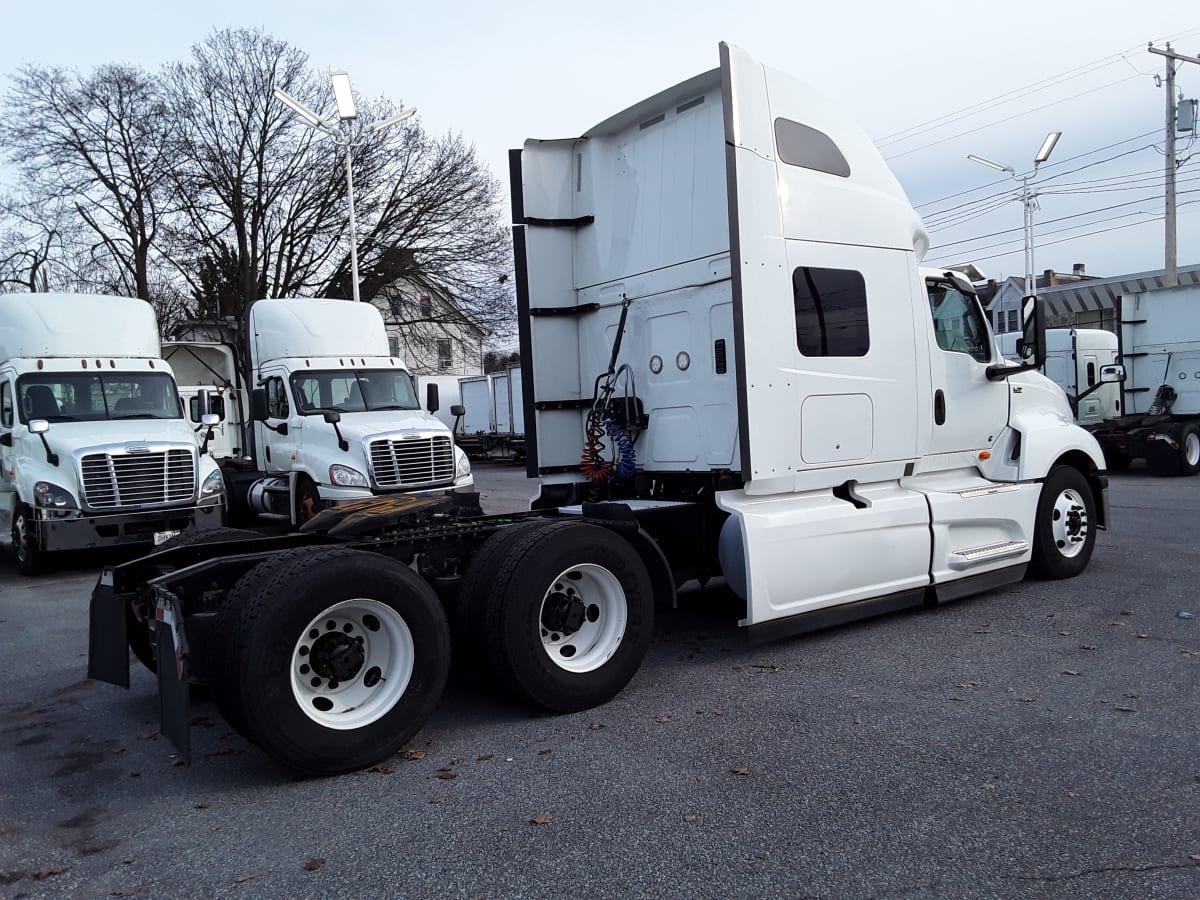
1036	741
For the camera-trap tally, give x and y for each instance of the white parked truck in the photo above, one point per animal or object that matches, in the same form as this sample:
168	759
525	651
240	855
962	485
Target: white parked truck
732	366
1159	418
493	421
1074	360
331	417
94	449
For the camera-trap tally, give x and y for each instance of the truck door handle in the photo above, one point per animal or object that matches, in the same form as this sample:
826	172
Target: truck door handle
939	408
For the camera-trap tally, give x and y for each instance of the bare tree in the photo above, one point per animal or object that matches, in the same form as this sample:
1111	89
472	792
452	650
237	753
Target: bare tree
100	144
255	192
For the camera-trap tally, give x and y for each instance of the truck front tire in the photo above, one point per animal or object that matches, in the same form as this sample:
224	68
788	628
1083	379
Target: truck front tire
31	560
332	659
569	616
1064	531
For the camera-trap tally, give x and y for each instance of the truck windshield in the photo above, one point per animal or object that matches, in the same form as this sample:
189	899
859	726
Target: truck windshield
90	397
357	390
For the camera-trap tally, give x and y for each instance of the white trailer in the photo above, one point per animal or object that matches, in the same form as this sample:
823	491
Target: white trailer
94	450
1074	360
735	368
493	425
331	418
1160	398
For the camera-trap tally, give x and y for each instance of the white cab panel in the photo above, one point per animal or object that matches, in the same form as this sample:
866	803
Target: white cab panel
811	550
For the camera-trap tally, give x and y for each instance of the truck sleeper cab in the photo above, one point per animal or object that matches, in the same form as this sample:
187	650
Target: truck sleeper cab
732	367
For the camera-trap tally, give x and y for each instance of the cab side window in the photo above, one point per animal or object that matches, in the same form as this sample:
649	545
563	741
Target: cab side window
277	399
958	323
6	405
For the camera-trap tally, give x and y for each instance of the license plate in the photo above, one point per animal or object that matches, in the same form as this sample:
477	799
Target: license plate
161	537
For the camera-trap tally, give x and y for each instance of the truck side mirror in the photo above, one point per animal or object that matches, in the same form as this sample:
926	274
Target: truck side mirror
1032	344
1114	374
202	405
40	427
431	397
332	417
258	405
458	410
209	420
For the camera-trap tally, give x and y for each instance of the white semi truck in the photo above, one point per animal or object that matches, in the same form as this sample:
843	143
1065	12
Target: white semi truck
330	417
94	449
1159	417
733	367
1075	358
493	421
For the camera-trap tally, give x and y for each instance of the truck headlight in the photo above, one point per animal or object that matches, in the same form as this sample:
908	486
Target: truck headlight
347	477
462	466
51	496
213	485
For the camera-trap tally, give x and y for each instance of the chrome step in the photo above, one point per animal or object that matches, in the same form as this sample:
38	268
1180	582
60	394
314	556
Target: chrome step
973	556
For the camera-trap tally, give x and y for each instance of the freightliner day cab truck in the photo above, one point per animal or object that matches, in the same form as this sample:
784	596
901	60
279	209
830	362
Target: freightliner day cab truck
1075	358
732	366
94	449
331	417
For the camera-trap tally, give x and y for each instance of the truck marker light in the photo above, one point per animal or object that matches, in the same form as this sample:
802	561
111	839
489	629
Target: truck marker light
83	362
985	454
152	364
39	363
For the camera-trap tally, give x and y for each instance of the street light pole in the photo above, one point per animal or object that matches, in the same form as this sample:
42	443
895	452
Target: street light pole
1028	199
345	139
353	229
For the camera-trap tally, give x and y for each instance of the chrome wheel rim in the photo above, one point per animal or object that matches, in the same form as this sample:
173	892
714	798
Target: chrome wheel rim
1069	523
582	618
352	664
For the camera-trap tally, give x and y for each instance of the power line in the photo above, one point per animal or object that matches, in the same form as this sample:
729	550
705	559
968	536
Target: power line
1010	118
1017	247
1136	137
1018	93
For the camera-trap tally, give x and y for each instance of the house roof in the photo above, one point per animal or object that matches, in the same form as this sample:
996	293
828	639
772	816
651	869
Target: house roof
1102	293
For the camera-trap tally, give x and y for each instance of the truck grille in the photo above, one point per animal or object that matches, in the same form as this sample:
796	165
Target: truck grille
412	463
115	480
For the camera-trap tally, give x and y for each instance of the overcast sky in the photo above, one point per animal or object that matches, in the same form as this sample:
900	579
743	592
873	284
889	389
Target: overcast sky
502	72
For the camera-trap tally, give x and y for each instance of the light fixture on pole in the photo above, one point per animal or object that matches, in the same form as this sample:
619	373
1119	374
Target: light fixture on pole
1028	199
345	138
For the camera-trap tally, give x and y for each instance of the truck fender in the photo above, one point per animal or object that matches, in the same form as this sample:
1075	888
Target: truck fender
620	518
1048	442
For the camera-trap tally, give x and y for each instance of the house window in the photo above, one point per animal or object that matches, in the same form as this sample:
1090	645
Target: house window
393	345
1012	319
831	312
426	305
445	353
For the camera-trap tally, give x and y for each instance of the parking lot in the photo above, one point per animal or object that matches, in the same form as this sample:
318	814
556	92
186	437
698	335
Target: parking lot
1039	740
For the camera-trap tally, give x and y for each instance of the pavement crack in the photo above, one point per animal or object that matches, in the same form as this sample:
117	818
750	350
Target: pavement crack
1106	870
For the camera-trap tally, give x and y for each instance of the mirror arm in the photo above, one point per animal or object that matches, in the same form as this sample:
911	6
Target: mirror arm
51	456
1000	373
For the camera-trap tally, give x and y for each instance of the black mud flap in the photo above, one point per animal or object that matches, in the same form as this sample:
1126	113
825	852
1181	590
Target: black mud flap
174	714
108	634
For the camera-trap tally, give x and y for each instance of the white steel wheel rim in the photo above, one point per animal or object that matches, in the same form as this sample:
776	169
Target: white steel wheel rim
342	688
583	617
1069	523
1191	448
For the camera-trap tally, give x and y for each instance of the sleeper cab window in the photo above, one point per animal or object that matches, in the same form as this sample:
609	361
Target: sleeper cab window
831	312
800	145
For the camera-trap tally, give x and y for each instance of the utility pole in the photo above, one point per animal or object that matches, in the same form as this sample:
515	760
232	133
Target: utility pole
1171	266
